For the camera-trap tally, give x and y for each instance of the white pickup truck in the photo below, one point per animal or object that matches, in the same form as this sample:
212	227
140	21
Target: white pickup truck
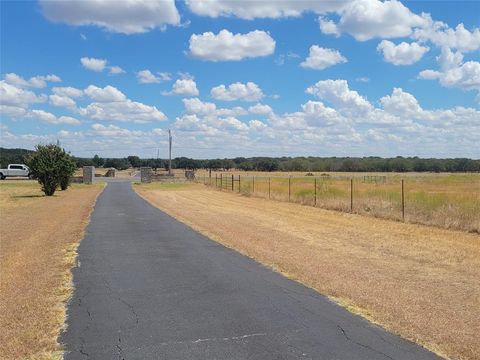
15	170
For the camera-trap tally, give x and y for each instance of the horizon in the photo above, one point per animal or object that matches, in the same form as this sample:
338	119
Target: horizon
365	78
260	157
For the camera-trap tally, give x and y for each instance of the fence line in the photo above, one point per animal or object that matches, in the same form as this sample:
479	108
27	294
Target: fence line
252	186
452	204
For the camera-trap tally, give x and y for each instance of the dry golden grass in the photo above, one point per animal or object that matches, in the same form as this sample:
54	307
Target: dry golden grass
417	281
39	238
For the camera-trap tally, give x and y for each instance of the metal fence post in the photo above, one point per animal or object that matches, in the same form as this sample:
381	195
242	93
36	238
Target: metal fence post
269	188
315	191
289	187
253	184
239	187
232	183
403	202
351	195
216	180
221	181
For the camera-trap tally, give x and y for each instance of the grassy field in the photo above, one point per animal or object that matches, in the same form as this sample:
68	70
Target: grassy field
420	282
39	238
451	201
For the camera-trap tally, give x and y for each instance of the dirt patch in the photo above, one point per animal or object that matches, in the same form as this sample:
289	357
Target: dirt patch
417	281
39	239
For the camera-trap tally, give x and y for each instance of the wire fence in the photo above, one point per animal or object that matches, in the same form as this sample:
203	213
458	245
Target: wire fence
446	202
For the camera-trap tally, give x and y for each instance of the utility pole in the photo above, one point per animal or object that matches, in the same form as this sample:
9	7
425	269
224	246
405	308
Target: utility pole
169	152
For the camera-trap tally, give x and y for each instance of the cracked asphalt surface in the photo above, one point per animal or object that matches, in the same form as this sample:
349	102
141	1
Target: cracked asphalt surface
149	287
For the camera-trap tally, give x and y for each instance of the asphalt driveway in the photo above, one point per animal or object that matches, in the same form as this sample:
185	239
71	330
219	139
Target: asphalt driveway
149	287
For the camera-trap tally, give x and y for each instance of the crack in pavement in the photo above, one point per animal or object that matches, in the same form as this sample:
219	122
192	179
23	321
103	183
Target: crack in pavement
119	348
232	338
363	345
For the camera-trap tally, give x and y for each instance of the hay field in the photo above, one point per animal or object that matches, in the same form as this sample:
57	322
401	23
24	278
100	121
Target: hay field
38	242
450	201
420	282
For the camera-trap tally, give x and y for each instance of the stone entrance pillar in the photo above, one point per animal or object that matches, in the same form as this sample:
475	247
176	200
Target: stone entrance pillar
146	174
88	174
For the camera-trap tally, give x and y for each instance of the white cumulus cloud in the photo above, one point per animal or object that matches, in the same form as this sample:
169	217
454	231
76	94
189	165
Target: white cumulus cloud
109	103
442	35
260	109
226	46
127	111
68	91
237	91
261	9
115	70
98	65
328	27
147	77
39	81
93	64
401	103
12	95
368	19
50	118
126	16
466	76
13	111
107	94
62	101
321	58
338	93
183	87
454	72
200	108
403	53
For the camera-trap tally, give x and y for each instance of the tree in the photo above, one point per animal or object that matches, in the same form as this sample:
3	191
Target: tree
119	164
97	161
134	161
267	164
213	164
50	165
13	156
227	164
246	166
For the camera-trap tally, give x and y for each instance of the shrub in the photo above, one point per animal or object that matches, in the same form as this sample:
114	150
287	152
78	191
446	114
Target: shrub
51	166
67	168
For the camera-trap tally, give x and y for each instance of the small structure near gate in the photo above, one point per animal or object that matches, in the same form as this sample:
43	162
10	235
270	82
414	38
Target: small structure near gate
146	174
111	172
88	174
190	174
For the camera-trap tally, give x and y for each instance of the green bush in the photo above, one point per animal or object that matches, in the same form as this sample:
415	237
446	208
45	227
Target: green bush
67	168
52	167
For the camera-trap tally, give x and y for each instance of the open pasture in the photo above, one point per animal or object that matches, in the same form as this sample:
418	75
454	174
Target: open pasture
38	245
446	200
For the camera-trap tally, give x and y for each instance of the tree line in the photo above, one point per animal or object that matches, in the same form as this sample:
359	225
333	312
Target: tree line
325	164
340	164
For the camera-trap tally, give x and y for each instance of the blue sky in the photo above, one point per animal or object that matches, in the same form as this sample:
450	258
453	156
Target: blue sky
254	78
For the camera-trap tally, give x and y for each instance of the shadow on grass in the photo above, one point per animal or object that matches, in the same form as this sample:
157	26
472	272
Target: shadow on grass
27	196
